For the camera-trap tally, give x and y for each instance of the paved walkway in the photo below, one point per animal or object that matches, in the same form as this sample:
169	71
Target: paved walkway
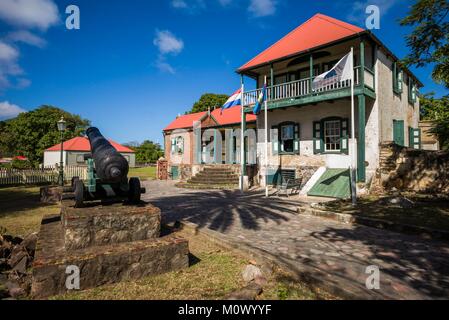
333	254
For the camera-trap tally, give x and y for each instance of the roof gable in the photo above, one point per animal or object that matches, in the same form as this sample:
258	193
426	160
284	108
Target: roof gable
317	31
82	144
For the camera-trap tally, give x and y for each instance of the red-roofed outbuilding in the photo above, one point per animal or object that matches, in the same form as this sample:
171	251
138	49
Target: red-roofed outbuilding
75	149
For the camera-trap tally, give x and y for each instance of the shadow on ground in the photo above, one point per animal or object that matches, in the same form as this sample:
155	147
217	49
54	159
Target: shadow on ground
223	209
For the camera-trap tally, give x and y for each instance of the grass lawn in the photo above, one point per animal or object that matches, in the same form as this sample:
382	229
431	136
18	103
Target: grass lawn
426	212
146	173
214	272
21	211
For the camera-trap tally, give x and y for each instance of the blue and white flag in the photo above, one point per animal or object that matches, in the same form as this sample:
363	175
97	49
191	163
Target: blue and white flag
342	71
260	100
234	100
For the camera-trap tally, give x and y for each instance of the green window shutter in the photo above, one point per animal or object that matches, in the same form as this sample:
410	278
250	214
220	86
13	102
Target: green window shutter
344	143
318	143
395	80
296	141
275	142
412	91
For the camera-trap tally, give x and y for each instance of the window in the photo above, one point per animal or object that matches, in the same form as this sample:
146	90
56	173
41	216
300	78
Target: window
332	135
177	145
287	137
412	91
80	158
397	78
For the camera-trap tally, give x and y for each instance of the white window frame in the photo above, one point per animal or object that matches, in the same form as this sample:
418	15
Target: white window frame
335	134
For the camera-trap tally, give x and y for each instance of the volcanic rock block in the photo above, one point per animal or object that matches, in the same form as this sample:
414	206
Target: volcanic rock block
51	194
100	264
108	224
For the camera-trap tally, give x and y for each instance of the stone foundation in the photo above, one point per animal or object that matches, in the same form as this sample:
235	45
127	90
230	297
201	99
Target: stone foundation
107	244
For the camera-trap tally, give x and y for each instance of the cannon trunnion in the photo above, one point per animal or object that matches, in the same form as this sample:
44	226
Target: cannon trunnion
107	174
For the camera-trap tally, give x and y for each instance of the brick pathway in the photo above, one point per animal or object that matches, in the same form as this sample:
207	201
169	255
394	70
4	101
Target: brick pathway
333	254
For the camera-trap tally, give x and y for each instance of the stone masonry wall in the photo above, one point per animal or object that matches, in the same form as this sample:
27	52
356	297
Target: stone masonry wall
413	170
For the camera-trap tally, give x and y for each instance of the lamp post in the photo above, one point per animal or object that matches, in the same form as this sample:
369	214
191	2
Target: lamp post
61	128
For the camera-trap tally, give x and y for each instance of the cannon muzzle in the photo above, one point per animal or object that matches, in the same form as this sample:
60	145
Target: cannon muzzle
110	165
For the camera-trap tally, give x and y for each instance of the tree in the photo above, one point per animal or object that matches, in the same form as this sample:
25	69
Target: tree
30	133
209	100
428	41
437	110
147	151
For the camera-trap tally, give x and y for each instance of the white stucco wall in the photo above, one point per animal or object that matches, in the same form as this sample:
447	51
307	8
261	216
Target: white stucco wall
393	106
175	158
53	157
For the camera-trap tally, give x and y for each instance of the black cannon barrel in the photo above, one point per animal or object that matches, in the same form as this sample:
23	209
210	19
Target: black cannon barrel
110	165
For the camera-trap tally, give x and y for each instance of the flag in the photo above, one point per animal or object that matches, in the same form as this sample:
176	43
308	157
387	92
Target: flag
234	100
260	100
342	71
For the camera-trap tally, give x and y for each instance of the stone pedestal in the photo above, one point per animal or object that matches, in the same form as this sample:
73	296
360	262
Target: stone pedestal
107	244
51	194
103	225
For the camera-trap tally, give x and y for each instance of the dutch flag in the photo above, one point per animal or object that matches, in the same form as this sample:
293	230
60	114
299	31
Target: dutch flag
234	100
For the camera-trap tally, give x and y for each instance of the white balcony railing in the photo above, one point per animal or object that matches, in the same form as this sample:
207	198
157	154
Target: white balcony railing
301	88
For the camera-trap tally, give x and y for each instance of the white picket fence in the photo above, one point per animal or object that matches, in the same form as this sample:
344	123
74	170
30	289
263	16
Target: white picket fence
40	176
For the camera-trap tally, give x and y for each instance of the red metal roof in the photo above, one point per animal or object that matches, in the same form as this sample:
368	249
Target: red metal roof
185	121
82	144
317	31
229	116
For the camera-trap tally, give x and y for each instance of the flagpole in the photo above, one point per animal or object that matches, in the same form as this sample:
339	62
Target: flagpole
242	138
353	158
266	137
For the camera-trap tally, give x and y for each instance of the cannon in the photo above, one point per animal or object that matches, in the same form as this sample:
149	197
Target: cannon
107	174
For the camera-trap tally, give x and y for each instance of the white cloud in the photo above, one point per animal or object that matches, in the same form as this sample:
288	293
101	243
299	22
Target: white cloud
262	8
9	110
179	4
26	37
191	6
8	64
225	3
167	42
164	66
29	13
7	52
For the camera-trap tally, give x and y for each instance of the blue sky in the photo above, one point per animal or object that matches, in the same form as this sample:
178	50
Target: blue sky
134	65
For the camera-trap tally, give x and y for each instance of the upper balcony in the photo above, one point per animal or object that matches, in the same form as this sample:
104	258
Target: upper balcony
300	91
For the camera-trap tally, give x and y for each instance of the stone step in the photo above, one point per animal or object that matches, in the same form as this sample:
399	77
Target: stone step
205	181
207	186
218	176
218	172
